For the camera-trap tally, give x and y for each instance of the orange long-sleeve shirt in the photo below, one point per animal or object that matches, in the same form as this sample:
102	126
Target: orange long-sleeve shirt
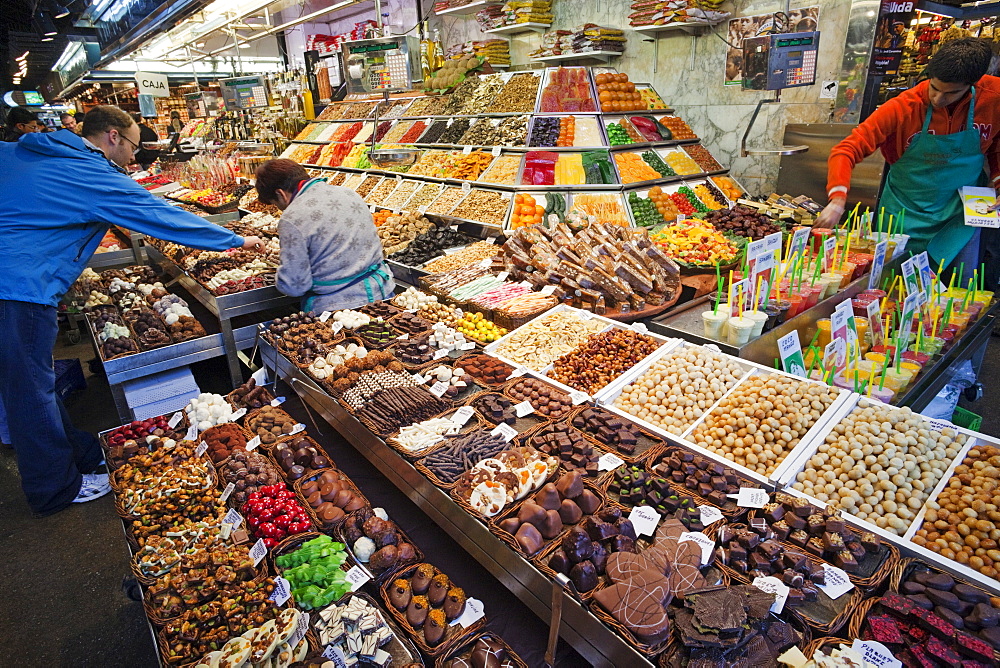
893	126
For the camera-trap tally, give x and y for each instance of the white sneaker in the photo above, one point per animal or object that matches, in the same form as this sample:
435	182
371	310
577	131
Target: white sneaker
94	486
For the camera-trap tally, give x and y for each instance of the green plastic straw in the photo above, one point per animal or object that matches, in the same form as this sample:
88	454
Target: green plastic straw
718	288
902	218
777	363
815	339
881	382
947	314
968	294
812	365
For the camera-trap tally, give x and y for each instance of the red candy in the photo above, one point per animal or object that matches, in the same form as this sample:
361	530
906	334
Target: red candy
273	513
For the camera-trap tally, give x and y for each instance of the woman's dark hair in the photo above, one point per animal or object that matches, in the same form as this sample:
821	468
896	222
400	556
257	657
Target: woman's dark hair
963	61
278	174
20	115
105	117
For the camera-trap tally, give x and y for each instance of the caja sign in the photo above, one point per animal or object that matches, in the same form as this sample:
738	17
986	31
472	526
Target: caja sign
152	83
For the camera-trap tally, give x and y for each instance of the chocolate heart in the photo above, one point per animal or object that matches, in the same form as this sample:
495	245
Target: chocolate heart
623	566
636	609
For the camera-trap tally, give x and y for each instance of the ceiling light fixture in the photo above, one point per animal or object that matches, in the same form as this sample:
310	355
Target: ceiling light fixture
47	27
23	55
59	11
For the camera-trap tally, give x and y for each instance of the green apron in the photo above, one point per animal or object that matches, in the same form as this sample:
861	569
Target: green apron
925	182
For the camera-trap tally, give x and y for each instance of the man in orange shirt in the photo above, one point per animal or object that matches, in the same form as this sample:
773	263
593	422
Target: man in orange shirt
941	135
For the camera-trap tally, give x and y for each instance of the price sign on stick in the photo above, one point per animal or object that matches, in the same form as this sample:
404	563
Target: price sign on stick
644	520
750	497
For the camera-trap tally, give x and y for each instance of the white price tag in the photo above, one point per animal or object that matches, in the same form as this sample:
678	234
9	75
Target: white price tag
644	520
192	433
230	488
238	414
297	428
547	290
300	630
466	187
495	151
640	328
876	653
325	315
441	353
518	371
505	430
524	408
258	551
940	425
584	314
453	227
474	611
526	284
334	653
253	443
468	345
462	415
491	240
403	337
707	544
175	419
420	379
709	514
467	150
502	276
260	376
578	397
773	585
371	208
357	576
486	263
750	497
837	582
609	461
282	591
278	401
399	179
232	518
422	209
337	326
201	449
438	389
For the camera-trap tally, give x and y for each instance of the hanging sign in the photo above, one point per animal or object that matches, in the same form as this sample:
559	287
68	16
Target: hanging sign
152	83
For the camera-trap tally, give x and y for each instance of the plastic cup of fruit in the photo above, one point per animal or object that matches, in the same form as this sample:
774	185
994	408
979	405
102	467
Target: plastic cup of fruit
961	320
919	359
715	322
878	358
867	366
984	297
862	262
843	382
759	319
930	346
739	330
795	303
875	292
884	349
847	269
947	336
898	378
860	305
974	309
828	284
782	305
885	394
773	313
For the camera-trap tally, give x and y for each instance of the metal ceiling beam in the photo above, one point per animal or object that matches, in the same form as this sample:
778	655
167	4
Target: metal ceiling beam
966	12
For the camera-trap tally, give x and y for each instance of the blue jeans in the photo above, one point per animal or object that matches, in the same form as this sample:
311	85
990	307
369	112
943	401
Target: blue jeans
51	452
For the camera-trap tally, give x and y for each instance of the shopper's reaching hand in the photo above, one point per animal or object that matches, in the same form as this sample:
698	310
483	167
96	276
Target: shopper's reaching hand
253	243
830	216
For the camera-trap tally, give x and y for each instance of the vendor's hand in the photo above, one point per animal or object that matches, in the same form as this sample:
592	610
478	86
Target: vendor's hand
830	216
253	243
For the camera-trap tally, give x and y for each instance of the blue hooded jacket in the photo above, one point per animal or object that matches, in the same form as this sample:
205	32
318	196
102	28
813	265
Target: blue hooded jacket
57	199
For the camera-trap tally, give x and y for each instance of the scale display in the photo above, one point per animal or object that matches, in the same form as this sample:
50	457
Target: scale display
244	93
384	64
774	62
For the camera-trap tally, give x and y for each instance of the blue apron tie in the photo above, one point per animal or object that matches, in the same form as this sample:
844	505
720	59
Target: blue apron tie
376	272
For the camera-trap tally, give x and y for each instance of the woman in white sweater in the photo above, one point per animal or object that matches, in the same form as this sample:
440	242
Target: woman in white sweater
331	255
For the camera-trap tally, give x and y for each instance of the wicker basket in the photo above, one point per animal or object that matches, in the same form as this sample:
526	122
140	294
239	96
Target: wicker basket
400	647
825	643
510	323
454	634
292	543
670	659
382	576
163	328
331	527
430	475
464	505
650	445
475	422
521	425
463	648
831	624
266	446
160	620
860	615
507	392
234	402
731	511
308	472
462	361
243	432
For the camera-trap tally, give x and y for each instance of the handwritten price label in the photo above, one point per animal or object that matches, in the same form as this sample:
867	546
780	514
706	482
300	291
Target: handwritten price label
547	290
282	591
357	576
336	327
238	414
495	151
442	353
438	389
420	379
876	653
325	316
227	492
468	345
466	187
750	497
505	430
524	408
640	328
232	518
253	443
578	397
258	551
403	337
201	449
644	520
300	630
706	544
709	514
334	653
837	583
773	585
175	419
486	263
609	461
192	433
518	371
462	415
474	611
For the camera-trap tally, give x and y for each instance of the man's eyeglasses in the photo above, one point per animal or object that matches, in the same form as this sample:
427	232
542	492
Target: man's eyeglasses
135	147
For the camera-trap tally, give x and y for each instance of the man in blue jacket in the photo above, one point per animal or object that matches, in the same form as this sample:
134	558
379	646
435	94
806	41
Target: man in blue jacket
59	192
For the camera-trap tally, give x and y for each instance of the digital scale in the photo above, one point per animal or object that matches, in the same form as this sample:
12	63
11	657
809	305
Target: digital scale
385	64
244	93
774	62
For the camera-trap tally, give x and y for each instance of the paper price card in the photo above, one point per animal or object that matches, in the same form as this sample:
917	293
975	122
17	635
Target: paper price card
325	316
300	630
258	551
201	449
791	354
357	576
976	205
253	443
829	248
439	388
468	345
175	419
334	654
578	397
707	544
640	328
466	187
230	488
192	433
911	278
467	150
260	376
505	430
609	461
337	326
547	290
875	325
474	611
837	583
420	379
524	408
923	271
486	263
750	497
736	288
440	353
278	401
773	585
800	238
462	415
875	277
940	425
876	653
238	414
495	151
644	520
297	428
403	337
502	276
518	371
232	518
709	514
282	591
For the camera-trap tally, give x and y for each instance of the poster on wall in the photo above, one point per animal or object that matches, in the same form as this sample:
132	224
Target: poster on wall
890	36
803	19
